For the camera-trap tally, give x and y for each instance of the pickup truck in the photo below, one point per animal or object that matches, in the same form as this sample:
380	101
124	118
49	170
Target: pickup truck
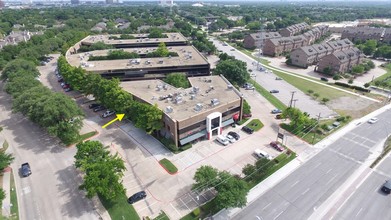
26	170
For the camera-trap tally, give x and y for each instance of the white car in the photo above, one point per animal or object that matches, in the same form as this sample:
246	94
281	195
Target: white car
373	120
108	113
262	154
222	140
230	138
253	74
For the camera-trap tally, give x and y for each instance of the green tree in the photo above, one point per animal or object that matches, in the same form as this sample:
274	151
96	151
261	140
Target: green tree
19	67
246	107
179	80
234	70
156	33
369	47
205	178
2	197
162	50
232	191
358	69
18	85
5	160
103	172
146	116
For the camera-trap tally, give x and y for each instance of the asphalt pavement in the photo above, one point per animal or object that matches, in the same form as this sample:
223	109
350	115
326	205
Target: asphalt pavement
268	81
306	189
51	192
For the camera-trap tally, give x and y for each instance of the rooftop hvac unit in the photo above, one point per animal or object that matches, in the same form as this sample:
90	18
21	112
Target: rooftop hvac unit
192	97
165	86
229	86
198	107
214	102
178	99
169	109
196	89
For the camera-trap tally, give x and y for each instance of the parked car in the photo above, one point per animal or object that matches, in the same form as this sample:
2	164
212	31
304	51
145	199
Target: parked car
276	111
65	86
386	188
278	78
99	108
60	79
93	105
108	113
222	140
247	115
26	170
276	145
324	79
230	138
234	135
232	49
274	91
262	154
137	197
279	116
68	89
373	120
247	130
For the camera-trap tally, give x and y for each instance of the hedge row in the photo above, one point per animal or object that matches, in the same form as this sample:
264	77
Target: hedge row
352	87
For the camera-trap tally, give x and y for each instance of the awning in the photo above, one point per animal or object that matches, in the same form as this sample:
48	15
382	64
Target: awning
192	137
228	122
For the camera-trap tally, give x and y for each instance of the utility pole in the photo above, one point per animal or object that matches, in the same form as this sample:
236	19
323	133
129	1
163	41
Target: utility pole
313	137
290	102
294	102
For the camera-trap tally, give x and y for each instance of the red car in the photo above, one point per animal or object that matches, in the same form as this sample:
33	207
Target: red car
276	146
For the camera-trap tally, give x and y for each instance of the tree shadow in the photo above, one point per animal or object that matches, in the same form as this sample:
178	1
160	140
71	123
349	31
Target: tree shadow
76	205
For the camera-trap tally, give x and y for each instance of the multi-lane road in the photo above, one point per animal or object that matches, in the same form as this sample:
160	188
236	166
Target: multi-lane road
302	193
269	82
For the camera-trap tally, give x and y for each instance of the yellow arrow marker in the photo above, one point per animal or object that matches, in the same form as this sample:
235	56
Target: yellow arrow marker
119	118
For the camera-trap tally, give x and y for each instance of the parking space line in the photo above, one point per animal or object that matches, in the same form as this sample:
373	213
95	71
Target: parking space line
147	206
185	204
176	210
358	143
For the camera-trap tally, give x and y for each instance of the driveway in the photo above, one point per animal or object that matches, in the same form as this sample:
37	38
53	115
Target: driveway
51	192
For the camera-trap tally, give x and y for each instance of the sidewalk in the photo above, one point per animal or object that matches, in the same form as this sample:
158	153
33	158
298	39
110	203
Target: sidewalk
6	208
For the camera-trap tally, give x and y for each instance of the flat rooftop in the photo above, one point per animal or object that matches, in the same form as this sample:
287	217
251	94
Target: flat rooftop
166	96
187	56
140	38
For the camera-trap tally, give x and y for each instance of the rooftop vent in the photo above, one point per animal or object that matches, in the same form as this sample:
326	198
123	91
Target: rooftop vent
229	86
169	109
198	107
210	89
214	102
192	97
165	86
178	99
196	89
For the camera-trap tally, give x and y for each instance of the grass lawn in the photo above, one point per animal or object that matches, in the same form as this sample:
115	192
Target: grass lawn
14	200
170	167
162	216
84	137
280	161
208	209
271	98
255	124
119	208
385	76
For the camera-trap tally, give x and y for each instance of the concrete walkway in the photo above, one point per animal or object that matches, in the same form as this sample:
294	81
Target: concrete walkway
6	208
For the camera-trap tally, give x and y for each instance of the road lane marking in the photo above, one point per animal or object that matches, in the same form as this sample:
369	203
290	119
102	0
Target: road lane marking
308	189
278	215
329	171
266	206
358	212
331	179
295	183
185	204
175	210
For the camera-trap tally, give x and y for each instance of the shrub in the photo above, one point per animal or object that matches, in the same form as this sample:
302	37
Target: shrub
350	81
310	91
196	212
336	77
366	85
342	118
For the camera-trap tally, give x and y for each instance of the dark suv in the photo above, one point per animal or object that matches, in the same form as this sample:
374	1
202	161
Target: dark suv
386	188
137	197
234	135
26	170
247	130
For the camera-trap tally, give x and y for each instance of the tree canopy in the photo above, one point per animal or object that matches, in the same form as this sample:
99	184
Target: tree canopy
179	80
103	171
234	70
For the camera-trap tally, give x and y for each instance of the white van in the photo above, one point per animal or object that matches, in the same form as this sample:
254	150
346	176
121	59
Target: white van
223	140
262	154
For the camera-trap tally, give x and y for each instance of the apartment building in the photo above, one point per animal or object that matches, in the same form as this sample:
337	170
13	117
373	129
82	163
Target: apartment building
196	113
294	29
340	61
278	46
309	55
362	33
257	40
